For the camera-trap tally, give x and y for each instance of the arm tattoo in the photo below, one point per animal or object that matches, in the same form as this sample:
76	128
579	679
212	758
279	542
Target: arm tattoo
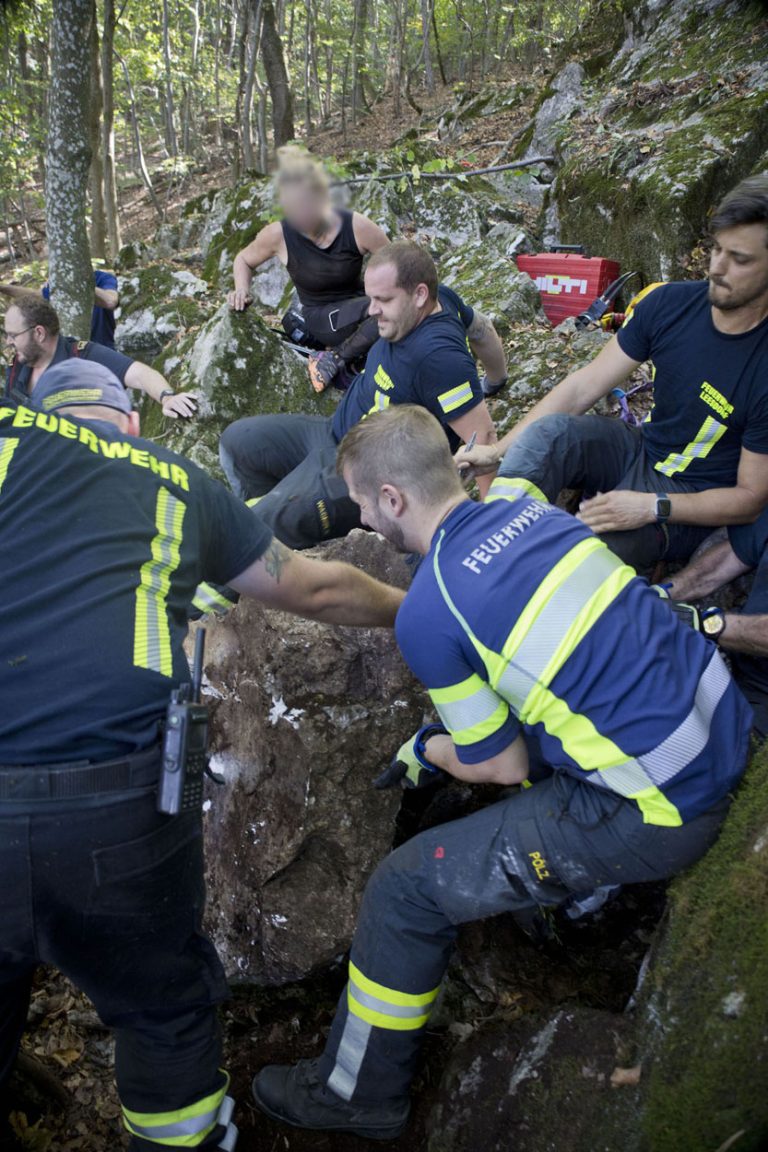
275	559
479	328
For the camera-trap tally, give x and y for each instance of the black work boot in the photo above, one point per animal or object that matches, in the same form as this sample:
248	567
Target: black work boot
296	1095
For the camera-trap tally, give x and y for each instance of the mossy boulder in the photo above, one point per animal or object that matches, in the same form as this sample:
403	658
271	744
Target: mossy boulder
157	303
236	367
703	1019
674	120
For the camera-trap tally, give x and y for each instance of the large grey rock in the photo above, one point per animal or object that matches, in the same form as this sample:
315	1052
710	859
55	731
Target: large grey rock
305	716
158	303
566	99
236	367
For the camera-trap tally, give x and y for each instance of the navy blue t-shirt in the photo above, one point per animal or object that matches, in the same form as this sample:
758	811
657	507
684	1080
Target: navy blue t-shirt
710	389
431	366
104	539
102	319
18	374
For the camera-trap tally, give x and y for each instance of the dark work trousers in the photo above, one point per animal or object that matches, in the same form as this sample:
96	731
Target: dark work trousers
290	462
344	325
750	542
599	454
532	849
112	894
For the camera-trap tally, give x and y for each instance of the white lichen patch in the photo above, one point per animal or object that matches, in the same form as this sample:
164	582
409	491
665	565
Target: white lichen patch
281	711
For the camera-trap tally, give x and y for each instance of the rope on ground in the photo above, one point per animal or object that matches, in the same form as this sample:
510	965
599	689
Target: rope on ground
447	175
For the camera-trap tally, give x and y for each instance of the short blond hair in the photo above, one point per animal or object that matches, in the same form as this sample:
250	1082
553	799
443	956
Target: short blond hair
404	446
297	166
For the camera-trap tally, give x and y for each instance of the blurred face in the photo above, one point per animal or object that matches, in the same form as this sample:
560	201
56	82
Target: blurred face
305	208
738	267
398	312
376	512
23	340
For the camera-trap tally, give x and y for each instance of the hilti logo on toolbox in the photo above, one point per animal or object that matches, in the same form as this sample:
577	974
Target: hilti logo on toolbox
554	285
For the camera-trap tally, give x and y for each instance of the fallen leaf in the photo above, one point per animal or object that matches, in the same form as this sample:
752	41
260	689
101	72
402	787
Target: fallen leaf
626	1077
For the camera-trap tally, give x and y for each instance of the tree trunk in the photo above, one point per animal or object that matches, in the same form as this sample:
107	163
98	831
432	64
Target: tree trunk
277	76
67	164
138	152
359	31
426	21
98	208
114	238
169	110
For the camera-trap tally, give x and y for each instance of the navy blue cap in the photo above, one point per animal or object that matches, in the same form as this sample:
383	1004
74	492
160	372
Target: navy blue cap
77	383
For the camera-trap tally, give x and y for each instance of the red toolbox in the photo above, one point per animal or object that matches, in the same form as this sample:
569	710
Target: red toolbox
568	280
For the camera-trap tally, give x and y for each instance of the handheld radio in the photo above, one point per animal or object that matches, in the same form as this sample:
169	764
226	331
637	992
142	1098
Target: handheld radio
185	743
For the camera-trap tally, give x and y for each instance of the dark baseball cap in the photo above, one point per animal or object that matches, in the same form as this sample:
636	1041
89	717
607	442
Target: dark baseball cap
79	383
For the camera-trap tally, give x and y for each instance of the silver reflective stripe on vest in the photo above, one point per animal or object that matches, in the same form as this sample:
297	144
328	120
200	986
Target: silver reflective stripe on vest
350	1056
681	748
542	640
471	711
691	738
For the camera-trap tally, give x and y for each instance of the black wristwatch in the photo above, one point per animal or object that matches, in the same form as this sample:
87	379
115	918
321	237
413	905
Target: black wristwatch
165	392
663	508
713	623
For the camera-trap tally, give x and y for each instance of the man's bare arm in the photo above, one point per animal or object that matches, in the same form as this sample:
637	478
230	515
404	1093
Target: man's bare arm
508	767
486	345
707	572
746	633
621	511
328	591
103	297
477	421
107	298
574	396
149	380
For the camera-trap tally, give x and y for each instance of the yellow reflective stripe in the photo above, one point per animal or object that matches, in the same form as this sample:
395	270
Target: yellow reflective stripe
514	488
8	445
700	447
454	398
587	618
183	1127
391	995
207	597
380	1020
481	729
152	636
380	402
557	576
471	710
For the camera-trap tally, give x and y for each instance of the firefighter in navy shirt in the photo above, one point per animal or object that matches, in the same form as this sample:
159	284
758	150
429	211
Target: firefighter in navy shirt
104	537
33	331
701	458
422	357
539	646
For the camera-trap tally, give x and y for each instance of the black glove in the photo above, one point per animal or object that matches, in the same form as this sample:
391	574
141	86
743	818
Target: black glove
492	389
410	767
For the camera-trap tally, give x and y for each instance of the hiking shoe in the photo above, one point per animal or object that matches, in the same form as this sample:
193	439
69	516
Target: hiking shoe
323	369
295	1095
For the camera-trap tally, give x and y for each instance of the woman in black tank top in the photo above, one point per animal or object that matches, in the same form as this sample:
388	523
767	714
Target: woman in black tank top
323	249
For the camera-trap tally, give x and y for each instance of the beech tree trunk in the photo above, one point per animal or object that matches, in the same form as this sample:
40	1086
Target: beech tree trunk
98	208
68	156
114	238
277	76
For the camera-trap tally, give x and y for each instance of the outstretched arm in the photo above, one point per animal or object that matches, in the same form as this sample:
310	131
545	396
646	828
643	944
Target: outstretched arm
477	422
328	591
574	395
706	573
263	247
148	380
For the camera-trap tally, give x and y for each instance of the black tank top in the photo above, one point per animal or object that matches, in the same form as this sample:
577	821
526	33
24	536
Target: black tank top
325	275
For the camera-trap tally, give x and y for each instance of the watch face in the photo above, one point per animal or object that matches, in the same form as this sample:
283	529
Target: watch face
663	508
714	624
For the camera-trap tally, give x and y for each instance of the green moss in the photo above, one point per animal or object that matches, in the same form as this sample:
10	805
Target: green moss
709	991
